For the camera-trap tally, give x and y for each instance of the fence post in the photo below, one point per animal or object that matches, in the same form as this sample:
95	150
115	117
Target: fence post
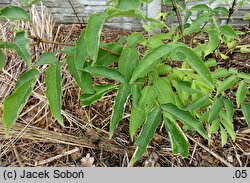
153	10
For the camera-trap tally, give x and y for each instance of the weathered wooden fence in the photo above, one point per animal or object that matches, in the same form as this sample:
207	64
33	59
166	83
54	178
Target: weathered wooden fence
67	11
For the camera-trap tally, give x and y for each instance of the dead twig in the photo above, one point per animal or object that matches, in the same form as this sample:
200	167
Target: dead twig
211	152
39	163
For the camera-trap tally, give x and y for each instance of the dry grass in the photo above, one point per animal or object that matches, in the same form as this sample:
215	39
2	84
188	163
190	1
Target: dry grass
37	137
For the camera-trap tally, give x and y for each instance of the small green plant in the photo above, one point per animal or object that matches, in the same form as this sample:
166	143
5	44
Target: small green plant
192	95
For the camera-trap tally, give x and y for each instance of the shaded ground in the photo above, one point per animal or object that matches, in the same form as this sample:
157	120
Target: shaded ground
36	138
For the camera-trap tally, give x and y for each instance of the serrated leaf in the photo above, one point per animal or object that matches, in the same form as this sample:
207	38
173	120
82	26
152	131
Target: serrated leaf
215	109
128	61
106	72
198	103
165	93
221	10
197	63
13	105
100	90
220	72
136	94
128	4
105	58
148	130
228	126
14	13
53	92
226	84
80	52
22	47
46	58
25	77
179	142
241	93
147	100
93	33
83	79
186	118
134	39
119	107
186	87
229	107
163	68
152	59
214	127
223	136
2	60
137	117
245	108
228	31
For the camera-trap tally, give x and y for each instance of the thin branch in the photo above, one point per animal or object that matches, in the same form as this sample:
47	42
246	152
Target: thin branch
178	15
39	40
73	8
231	11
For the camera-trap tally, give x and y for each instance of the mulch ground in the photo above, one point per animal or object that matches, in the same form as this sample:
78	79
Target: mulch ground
37	140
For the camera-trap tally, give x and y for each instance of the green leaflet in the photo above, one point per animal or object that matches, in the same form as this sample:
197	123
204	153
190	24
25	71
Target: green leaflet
14	13
186	118
196	24
100	90
241	93
245	108
220	72
165	93
46	58
226	84
22	47
119	107
103	71
136	94
115	12
83	79
2	60
186	87
134	39
163	68
214	127
229	107
211	63
228	31
137	117
215	109
228	125
148	97
178	139
105	58
25	77
221	10
197	63
148	130
14	104
128	4
223	136
128	61
198	103
92	34
150	61
53	92
80	52
214	41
